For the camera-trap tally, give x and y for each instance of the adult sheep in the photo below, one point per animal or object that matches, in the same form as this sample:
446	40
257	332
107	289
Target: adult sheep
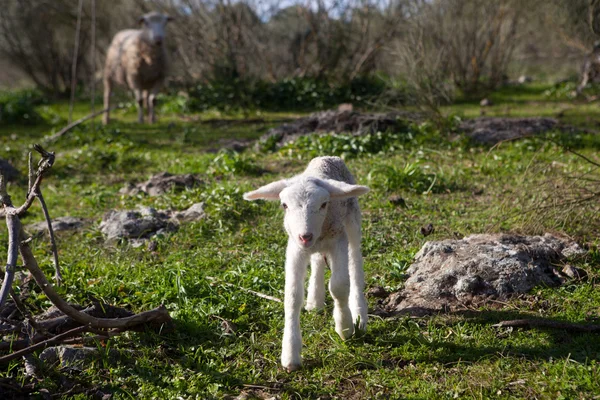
322	219
137	59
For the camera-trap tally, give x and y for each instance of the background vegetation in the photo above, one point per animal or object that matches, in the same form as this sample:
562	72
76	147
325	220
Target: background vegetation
240	68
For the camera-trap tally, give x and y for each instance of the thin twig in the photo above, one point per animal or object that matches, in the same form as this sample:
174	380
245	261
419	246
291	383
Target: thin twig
74	66
545	323
258	294
57	274
93	61
59	134
43	344
31	173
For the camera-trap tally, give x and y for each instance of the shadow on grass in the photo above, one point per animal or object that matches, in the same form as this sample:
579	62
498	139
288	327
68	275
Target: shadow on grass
559	343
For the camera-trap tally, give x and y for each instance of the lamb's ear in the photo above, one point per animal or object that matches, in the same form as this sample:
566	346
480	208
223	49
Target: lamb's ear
267	192
342	190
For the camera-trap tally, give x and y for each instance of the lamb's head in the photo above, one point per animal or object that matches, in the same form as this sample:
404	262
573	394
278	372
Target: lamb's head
306	203
154	24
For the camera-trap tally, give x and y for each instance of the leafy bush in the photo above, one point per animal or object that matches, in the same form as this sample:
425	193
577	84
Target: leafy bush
411	177
19	107
230	162
345	145
562	91
288	94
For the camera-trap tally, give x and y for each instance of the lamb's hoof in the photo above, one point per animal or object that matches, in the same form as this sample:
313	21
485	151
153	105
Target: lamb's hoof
292	368
314	307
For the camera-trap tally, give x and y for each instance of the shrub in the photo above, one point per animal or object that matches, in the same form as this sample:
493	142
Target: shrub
289	94
19	107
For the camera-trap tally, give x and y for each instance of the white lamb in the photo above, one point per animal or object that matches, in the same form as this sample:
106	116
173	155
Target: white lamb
137	59
322	219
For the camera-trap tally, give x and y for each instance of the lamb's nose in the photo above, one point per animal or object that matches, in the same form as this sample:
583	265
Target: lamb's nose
306	237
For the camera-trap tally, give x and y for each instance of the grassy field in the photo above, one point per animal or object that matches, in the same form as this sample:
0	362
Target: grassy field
458	186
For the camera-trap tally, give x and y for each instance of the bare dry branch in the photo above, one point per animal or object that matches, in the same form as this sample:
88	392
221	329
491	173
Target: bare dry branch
545	323
257	294
43	344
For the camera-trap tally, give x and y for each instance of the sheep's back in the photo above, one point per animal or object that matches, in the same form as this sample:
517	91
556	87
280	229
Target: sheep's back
329	168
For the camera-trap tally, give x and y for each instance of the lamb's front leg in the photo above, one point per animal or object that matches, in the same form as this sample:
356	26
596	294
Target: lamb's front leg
316	284
296	262
339	286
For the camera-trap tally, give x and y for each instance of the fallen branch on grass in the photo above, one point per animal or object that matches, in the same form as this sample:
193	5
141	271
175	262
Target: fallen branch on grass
32	334
59	134
545	323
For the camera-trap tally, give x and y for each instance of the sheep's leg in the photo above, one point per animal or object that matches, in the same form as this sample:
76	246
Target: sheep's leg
358	303
339	286
107	92
316	285
584	82
295	270
152	104
139	98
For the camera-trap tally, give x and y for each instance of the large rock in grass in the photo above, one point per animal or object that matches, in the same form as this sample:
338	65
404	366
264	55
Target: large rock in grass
146	222
492	130
10	173
162	182
339	122
450	274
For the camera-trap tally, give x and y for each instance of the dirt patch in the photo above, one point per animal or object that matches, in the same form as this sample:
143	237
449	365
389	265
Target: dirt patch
452	274
492	130
340	121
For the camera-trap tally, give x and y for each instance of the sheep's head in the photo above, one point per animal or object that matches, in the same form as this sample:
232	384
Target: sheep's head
154	25
305	201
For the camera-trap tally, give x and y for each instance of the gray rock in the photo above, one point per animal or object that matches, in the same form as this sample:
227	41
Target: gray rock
194	213
450	273
162	183
146	222
486	102
59	224
143	223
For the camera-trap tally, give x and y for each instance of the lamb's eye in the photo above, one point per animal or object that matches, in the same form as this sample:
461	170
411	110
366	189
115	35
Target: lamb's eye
284	206
323	206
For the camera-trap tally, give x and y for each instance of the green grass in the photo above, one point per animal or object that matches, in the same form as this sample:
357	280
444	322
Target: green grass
459	187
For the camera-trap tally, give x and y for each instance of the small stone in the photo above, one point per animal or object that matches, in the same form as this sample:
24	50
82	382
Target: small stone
574	272
427	230
397	201
486	102
377	292
524	79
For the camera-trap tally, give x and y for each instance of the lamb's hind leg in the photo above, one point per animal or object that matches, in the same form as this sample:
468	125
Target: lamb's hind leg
358	303
315	300
339	286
